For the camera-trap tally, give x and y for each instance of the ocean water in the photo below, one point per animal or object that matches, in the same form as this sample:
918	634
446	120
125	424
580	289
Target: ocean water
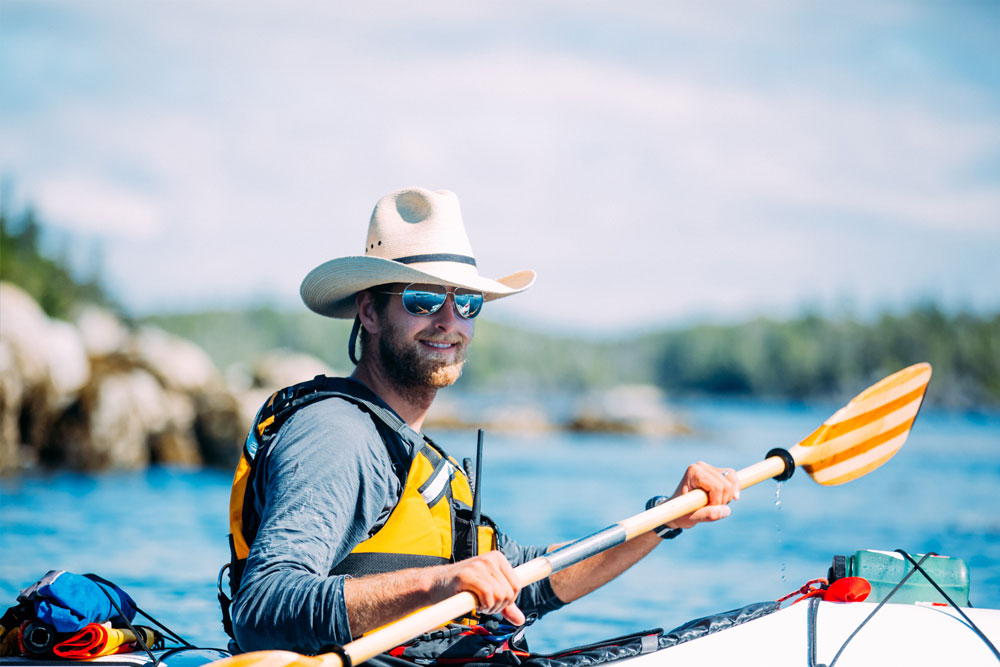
161	533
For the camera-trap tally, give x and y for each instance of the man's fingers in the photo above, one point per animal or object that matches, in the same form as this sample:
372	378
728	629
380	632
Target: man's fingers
707	513
710	513
506	581
513	614
508	572
491	579
486	597
734	483
708	479
730	485
721	485
715	484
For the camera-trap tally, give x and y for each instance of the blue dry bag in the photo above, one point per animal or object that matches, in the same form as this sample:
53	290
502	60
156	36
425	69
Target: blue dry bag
67	602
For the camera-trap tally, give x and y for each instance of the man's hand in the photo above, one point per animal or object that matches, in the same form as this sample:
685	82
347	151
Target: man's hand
377	599
489	577
721	484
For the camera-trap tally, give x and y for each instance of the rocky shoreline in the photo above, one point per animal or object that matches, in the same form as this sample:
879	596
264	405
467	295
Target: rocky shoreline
95	394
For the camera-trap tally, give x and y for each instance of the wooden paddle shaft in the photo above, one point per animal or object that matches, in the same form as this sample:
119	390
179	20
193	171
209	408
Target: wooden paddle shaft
406	629
538	568
694	500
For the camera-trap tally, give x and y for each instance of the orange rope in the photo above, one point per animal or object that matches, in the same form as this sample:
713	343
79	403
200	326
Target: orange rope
807	589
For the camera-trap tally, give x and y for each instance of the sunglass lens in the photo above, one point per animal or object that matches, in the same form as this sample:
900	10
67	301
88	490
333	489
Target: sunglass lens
424	299
468	303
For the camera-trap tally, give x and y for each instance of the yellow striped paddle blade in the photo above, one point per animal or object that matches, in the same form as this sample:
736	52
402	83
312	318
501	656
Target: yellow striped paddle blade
866	432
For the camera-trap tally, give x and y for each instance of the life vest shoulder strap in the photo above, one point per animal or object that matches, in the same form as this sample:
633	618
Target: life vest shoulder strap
274	414
286	402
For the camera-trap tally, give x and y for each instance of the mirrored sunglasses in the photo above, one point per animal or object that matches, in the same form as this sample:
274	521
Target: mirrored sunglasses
420	299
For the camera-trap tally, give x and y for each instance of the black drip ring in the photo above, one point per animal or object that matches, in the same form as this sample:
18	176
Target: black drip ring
789	463
338	651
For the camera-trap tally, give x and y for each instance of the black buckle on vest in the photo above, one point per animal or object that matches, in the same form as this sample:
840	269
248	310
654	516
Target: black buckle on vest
225	603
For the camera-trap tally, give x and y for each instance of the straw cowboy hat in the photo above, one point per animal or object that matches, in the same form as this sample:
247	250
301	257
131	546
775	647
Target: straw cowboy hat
415	236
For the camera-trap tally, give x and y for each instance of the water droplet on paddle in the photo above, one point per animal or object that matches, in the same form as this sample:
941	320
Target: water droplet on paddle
777	503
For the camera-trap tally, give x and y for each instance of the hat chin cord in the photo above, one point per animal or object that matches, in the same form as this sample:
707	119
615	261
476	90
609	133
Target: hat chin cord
352	342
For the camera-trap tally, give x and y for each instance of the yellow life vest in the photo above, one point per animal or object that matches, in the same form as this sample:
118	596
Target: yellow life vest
431	523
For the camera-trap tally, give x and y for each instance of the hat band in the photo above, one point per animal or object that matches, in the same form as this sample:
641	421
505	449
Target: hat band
437	257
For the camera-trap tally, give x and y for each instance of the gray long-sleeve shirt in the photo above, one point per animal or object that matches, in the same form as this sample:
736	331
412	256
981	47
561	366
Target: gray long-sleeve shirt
327	479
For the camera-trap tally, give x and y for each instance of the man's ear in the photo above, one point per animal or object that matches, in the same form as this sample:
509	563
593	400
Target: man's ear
367	312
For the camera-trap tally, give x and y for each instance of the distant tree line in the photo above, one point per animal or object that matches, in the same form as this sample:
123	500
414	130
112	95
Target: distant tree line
811	357
48	280
800	359
803	358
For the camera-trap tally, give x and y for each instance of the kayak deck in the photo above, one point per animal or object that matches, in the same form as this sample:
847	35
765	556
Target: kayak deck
808	633
898	634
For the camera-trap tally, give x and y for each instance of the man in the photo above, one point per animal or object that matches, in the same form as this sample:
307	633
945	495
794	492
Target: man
345	517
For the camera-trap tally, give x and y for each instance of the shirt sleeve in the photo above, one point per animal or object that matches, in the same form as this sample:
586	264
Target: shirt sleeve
328	479
537	598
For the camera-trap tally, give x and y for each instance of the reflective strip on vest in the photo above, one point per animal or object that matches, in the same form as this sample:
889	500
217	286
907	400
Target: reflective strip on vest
433	489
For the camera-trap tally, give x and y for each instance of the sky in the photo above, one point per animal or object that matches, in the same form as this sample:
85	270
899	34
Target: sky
655	162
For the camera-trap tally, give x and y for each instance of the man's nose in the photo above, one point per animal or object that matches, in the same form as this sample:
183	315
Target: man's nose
446	318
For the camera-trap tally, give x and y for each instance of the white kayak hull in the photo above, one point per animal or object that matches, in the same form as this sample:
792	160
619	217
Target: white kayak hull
899	634
914	635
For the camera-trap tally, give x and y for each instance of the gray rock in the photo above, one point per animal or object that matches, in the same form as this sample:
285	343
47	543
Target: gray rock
179	364
220	428
248	403
125	418
93	395
249	387
112	424
23	326
11	397
638	409
176	442
69	366
44	367
283	368
509	417
103	334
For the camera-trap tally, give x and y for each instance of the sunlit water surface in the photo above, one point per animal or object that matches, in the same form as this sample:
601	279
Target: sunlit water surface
161	534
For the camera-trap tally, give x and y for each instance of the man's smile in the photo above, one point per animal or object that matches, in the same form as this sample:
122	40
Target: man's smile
439	345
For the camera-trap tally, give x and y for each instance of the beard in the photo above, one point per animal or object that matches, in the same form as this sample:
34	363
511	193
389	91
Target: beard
411	370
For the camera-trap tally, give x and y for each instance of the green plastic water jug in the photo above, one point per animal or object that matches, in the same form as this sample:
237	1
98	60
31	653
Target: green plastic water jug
885	569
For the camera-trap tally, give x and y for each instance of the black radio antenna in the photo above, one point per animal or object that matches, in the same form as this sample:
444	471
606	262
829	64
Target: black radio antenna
479	480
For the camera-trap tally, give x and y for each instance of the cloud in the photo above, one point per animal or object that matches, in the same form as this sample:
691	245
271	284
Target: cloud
97	206
664	147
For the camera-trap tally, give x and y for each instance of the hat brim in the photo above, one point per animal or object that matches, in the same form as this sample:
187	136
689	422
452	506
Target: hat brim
330	288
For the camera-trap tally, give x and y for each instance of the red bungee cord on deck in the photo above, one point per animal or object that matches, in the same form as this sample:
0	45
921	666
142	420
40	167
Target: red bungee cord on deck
845	589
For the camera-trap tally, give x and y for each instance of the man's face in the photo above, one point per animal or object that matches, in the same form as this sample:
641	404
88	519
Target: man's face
423	351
